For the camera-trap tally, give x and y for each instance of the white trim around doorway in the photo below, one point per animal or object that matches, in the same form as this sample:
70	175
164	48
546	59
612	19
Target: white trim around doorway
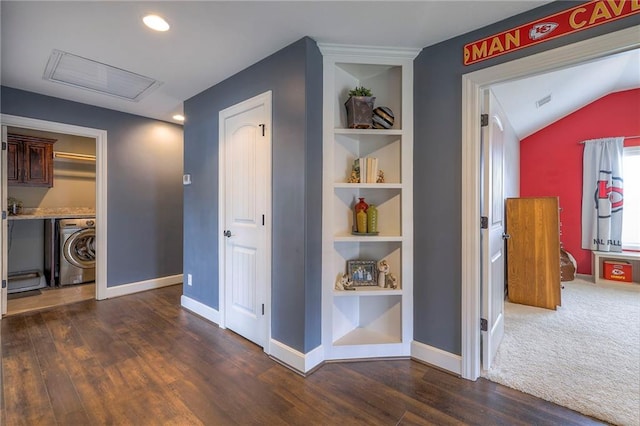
101	183
472	85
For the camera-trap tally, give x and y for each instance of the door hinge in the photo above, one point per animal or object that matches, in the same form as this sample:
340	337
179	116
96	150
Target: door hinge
484	120
263	126
263	309
484	325
4	283
4	146
484	222
262	220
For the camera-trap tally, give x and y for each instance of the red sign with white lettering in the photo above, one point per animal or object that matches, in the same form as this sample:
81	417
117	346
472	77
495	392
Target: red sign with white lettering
577	18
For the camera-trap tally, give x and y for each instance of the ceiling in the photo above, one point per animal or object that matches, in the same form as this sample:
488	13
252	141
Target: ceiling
569	89
210	41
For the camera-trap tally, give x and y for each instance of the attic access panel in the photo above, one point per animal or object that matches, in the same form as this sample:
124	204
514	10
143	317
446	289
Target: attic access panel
83	73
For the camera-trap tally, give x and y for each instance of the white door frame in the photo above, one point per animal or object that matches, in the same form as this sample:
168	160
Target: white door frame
101	186
262	99
472	85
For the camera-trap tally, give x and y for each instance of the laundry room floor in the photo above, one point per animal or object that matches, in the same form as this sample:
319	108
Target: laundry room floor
49	297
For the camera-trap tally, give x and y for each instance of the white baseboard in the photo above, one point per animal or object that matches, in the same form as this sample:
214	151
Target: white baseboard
436	357
298	361
201	309
585	277
124	289
294	359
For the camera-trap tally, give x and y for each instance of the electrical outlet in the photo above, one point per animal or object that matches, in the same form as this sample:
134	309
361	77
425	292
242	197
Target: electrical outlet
189	282
186	179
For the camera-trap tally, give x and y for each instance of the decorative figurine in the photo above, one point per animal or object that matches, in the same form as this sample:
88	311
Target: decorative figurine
380	178
392	281
343	282
383	270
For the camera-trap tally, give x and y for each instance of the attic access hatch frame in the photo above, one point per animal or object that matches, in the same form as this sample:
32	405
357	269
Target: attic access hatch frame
83	73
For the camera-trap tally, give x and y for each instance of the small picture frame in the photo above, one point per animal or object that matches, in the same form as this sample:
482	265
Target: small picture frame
363	272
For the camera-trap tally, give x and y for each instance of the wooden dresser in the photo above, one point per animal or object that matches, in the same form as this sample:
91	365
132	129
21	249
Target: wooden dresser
533	251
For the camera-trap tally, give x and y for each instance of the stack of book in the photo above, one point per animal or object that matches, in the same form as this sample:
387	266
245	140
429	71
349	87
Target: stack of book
366	169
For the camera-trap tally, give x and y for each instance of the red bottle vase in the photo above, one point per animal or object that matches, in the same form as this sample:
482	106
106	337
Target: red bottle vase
361	206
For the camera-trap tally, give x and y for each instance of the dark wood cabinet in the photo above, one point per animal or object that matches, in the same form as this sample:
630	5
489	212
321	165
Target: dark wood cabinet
29	160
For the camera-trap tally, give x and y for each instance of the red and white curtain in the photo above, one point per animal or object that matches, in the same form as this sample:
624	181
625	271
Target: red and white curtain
602	195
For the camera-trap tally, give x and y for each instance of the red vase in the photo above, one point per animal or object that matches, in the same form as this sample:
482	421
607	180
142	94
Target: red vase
361	205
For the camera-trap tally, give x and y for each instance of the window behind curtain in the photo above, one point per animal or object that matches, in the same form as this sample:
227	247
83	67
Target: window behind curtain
631	212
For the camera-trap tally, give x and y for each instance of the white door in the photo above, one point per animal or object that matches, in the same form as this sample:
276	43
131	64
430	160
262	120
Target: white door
245	138
493	246
3	228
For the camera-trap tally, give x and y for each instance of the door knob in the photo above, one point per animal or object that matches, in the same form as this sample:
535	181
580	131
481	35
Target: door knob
505	236
227	233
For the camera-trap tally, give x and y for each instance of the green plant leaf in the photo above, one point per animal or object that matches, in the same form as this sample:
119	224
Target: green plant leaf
360	91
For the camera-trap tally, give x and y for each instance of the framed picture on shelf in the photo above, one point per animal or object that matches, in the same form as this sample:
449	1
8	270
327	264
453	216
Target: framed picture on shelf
363	272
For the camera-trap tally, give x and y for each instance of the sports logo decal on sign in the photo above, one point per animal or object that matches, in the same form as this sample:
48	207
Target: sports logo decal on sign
542	30
578	18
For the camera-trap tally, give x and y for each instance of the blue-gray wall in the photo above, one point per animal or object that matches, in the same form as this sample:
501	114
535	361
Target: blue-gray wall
294	75
438	74
144	183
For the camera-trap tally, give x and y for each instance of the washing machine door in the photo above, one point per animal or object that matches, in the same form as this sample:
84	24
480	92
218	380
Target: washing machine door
79	249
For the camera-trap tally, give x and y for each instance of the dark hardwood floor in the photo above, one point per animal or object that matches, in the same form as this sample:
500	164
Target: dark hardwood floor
143	360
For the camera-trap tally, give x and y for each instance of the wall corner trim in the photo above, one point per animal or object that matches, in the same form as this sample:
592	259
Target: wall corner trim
300	362
201	309
436	357
124	289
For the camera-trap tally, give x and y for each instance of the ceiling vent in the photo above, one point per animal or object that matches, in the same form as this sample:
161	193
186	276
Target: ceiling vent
86	74
543	101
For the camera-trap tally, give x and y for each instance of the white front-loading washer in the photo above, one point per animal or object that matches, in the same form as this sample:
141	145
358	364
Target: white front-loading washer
77	250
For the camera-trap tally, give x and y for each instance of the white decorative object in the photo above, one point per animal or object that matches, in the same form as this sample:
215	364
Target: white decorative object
342	283
383	270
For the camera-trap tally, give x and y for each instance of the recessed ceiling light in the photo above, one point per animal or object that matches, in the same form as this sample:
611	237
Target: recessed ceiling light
155	22
178	117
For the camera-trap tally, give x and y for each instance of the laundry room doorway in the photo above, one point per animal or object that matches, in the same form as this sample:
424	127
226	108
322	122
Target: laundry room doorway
99	244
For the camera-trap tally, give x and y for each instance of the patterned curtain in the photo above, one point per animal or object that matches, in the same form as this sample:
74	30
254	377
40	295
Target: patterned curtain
602	195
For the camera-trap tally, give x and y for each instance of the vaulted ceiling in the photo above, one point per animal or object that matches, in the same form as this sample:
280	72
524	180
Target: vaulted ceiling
535	102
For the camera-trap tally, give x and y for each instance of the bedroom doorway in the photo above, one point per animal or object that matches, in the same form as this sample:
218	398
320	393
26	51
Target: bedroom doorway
473	84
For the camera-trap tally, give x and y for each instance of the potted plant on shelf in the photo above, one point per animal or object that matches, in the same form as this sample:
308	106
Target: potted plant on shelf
360	108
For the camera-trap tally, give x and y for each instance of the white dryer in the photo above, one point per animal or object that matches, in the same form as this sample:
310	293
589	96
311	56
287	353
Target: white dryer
77	250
